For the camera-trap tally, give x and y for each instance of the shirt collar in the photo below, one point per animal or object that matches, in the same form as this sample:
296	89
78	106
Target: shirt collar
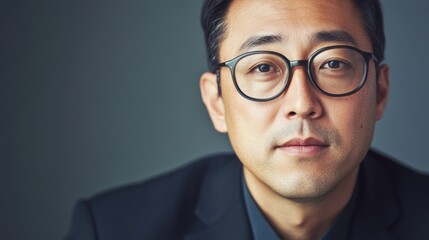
261	228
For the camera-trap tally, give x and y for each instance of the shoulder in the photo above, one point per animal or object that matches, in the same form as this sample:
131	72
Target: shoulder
404	178
406	188
163	204
178	183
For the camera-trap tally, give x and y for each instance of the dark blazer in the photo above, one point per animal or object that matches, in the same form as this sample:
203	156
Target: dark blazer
203	200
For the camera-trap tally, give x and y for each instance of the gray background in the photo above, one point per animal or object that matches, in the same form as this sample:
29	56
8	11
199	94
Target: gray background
96	94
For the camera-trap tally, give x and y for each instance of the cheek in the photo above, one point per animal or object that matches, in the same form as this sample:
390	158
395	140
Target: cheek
248	124
355	119
242	116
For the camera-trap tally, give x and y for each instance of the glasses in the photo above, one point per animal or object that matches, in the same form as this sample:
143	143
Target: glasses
264	75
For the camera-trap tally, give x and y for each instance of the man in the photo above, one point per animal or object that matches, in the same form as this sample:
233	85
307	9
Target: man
298	86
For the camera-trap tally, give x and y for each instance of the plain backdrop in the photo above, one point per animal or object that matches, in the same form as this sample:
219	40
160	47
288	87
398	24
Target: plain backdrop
97	94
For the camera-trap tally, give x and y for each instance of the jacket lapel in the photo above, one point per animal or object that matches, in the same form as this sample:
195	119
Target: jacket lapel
377	207
220	211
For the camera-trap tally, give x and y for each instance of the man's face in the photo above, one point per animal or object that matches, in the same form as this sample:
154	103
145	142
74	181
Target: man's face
302	144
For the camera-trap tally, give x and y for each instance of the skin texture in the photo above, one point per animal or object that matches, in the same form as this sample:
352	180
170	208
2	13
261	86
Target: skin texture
299	188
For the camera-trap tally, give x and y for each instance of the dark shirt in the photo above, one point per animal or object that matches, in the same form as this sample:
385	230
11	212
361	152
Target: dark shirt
262	229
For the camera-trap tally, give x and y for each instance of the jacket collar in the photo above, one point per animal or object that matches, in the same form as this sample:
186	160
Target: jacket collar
220	208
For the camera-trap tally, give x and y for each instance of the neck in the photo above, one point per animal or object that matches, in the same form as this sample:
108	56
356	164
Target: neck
301	219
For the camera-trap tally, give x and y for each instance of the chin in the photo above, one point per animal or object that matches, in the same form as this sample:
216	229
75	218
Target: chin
304	187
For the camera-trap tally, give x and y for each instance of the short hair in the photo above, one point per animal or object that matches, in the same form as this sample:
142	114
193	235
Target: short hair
213	16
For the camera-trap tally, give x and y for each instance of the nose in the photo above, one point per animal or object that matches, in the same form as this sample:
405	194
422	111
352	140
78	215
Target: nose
301	100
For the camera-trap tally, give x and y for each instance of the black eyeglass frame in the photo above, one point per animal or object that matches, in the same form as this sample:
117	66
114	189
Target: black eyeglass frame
231	64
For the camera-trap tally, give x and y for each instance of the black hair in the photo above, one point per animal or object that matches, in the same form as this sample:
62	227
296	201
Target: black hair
213	22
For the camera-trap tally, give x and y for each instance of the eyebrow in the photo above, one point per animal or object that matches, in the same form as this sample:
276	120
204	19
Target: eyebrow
334	36
320	37
255	41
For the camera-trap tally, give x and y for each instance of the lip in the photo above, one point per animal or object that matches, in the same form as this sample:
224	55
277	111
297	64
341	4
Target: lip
305	147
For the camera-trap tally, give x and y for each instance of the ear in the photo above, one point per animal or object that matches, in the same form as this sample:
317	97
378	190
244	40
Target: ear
382	90
213	101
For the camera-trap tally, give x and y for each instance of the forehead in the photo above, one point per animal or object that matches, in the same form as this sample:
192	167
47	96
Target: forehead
295	22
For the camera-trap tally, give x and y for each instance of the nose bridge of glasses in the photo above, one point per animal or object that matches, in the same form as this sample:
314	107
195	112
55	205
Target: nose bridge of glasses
295	63
299	63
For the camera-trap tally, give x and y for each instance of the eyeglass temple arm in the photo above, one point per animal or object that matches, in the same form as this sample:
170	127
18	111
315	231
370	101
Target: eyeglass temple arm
219	90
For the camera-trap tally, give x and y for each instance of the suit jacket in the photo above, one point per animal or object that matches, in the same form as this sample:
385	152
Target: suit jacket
203	200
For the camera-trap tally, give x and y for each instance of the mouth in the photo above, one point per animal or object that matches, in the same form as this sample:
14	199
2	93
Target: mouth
305	147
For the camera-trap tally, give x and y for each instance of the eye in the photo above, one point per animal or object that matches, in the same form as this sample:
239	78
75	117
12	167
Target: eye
264	68
334	64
